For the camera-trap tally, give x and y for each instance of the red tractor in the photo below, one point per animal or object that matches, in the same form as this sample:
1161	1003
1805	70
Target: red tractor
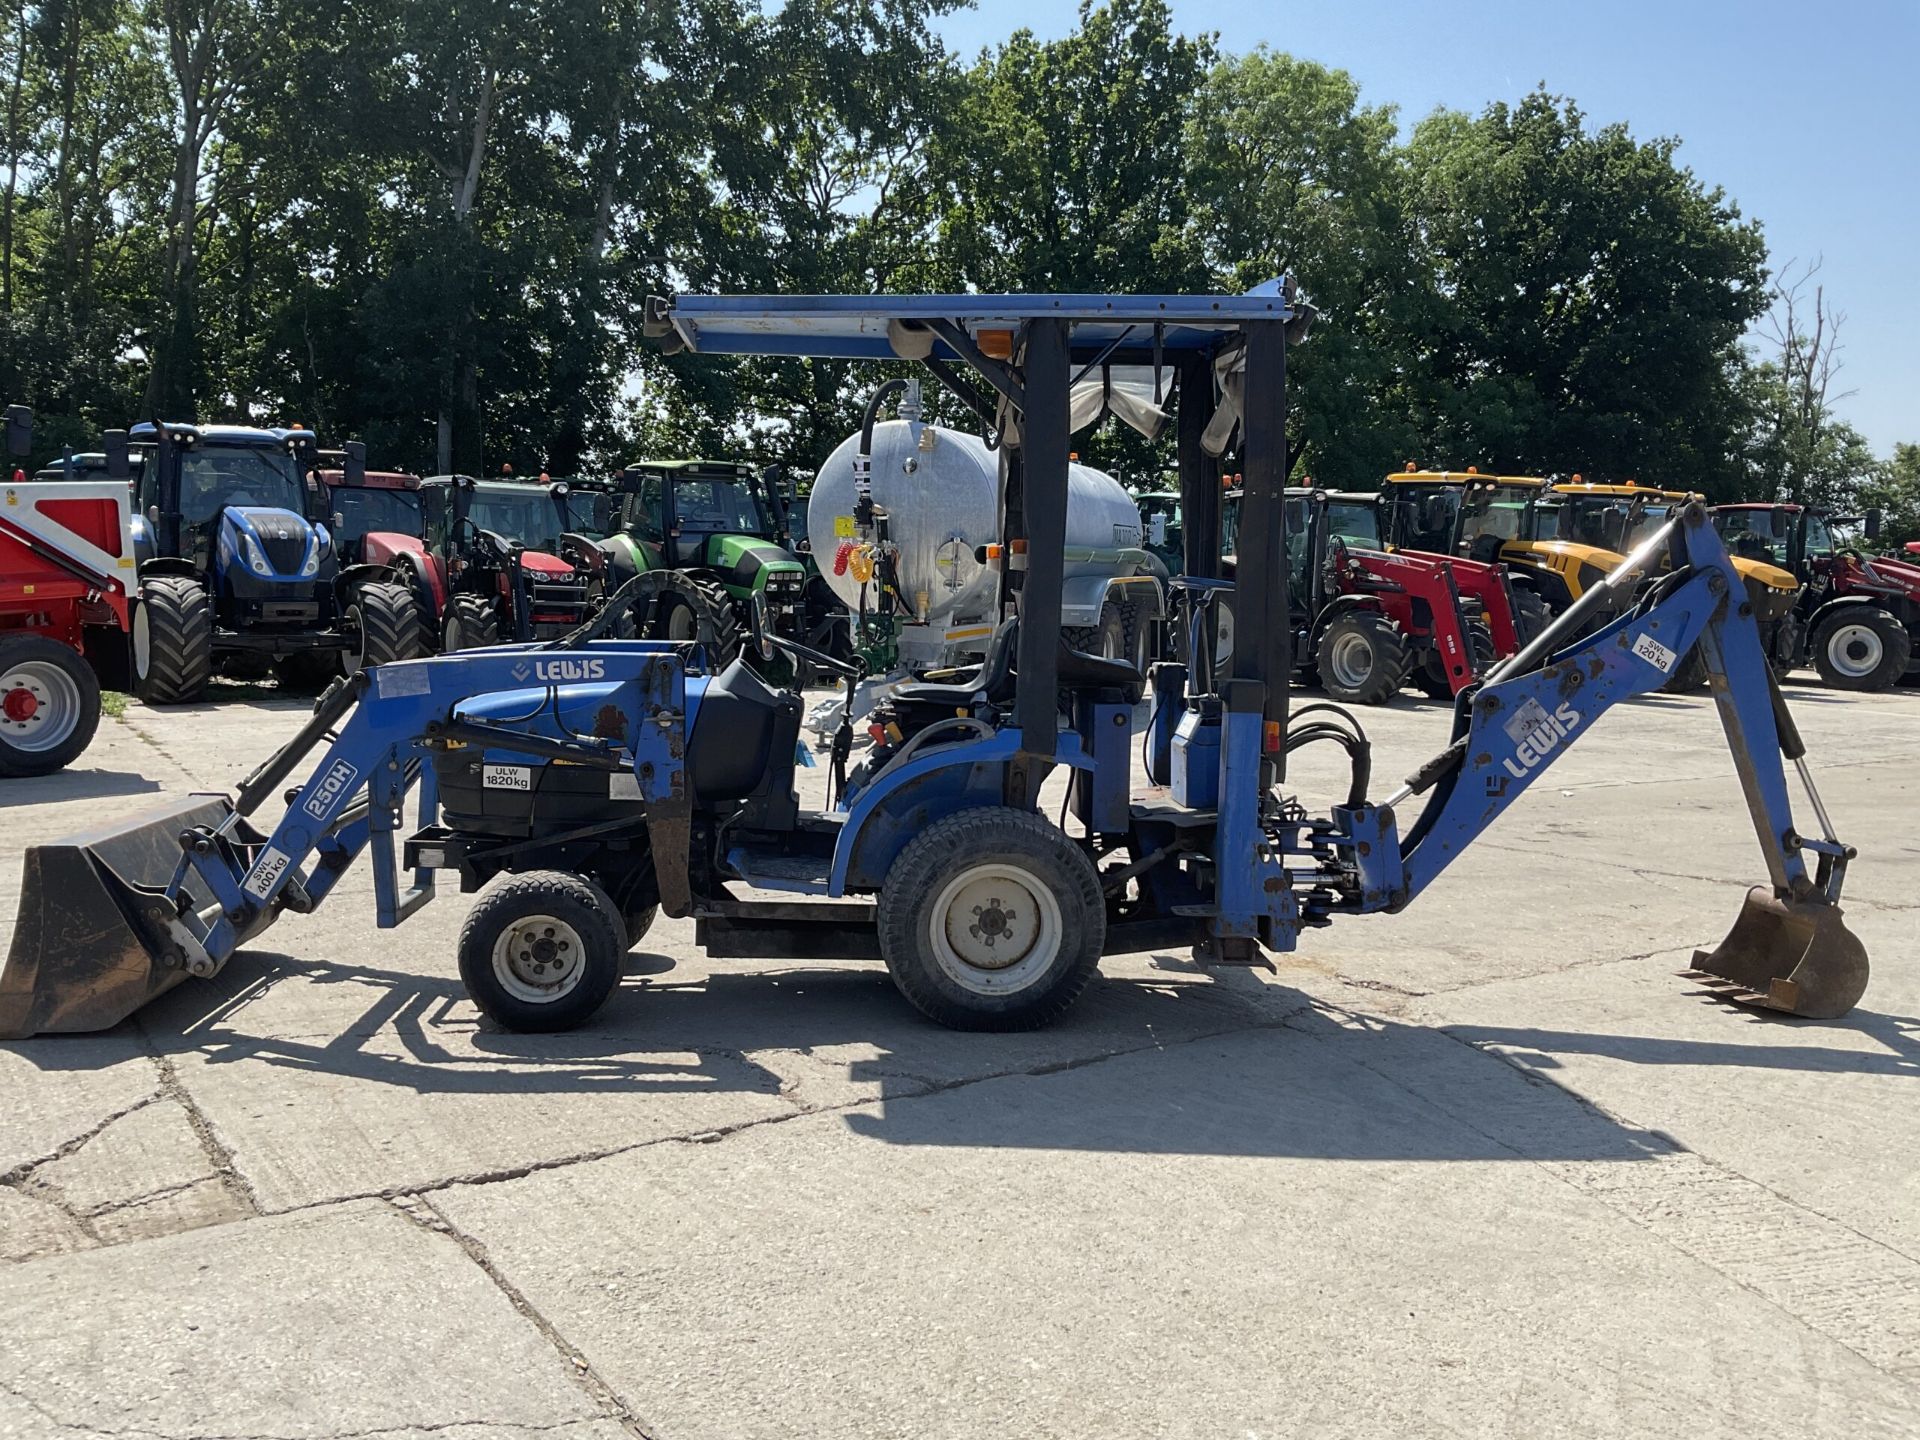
1857	619
377	534
66	568
1364	619
504	561
1424	590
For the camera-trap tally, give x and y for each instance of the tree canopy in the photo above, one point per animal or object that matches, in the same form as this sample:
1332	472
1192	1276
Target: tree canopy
432	225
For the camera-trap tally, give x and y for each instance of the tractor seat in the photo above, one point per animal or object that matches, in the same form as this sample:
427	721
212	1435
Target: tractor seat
990	682
1079	670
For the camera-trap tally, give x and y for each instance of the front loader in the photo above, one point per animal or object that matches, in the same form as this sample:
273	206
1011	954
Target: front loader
582	782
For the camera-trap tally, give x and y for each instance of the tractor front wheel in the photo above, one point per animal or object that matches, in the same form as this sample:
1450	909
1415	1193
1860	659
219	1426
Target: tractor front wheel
698	610
1861	647
1362	658
49	705
472	623
542	951
386	618
172	641
992	920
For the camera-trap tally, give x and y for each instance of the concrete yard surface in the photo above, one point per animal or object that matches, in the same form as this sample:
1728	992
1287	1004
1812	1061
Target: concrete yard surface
1486	1167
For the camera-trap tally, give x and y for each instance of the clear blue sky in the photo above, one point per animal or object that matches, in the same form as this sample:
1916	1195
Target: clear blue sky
1808	115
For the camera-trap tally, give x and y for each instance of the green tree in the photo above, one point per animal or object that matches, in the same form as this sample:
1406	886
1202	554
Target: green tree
1289	172
1896	491
1588	298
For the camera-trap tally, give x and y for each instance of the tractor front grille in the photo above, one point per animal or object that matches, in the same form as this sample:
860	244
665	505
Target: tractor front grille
285	553
558	599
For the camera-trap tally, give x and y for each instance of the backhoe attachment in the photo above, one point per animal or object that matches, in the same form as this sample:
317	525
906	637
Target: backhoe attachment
1795	956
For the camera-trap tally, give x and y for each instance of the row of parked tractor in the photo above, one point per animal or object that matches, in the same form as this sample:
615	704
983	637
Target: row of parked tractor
1437	575
177	554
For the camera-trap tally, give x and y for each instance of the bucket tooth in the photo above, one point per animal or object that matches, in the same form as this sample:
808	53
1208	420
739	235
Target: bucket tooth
90	945
1794	956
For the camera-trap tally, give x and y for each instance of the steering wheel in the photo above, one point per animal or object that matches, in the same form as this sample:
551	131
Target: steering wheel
853	670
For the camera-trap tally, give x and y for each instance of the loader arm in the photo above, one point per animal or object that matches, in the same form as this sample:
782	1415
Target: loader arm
111	919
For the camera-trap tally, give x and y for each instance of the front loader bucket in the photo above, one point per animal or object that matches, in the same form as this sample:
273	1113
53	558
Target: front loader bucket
1792	955
90	946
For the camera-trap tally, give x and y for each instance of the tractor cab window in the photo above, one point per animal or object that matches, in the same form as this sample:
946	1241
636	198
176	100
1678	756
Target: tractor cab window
436	516
1427	518
1356	523
1819	539
593	513
211	480
649	510
1753	534
360	510
1299	549
527	514
1603	522
1501	514
719	507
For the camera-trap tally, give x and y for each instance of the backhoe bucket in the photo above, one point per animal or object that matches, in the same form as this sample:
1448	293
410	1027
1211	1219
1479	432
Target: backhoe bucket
1792	955
91	944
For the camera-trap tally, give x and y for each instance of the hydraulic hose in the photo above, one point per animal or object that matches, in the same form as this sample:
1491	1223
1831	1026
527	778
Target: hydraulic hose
863	462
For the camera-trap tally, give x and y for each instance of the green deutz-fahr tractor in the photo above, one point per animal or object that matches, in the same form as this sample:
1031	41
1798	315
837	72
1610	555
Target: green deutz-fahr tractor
712	531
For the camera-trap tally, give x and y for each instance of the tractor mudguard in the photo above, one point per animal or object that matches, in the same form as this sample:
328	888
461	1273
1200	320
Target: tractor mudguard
170	565
885	815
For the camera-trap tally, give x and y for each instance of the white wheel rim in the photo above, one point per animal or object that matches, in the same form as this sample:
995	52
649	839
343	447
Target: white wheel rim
1351	659
357	658
1114	645
994	929
456	640
682	624
142	642
1222	631
39	706
539	959
1855	650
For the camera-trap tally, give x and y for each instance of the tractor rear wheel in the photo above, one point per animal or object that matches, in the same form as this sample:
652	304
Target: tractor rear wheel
1429	676
172	641
697	609
49	705
1119	636
472	622
1362	658
1861	647
387	620
542	951
992	920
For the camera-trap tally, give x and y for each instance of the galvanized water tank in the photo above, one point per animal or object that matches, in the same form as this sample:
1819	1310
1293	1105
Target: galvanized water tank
943	498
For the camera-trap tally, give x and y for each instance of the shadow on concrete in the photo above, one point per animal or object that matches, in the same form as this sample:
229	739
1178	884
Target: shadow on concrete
67	785
1900	1034
1174	1062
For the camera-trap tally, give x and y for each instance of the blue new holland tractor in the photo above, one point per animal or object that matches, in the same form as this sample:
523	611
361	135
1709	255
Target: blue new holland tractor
237	570
584	784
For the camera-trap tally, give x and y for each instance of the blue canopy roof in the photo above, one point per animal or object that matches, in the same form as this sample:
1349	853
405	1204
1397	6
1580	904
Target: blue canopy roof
854	327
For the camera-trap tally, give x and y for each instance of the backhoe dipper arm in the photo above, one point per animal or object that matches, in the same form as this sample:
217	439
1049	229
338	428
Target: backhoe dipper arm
1511	729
